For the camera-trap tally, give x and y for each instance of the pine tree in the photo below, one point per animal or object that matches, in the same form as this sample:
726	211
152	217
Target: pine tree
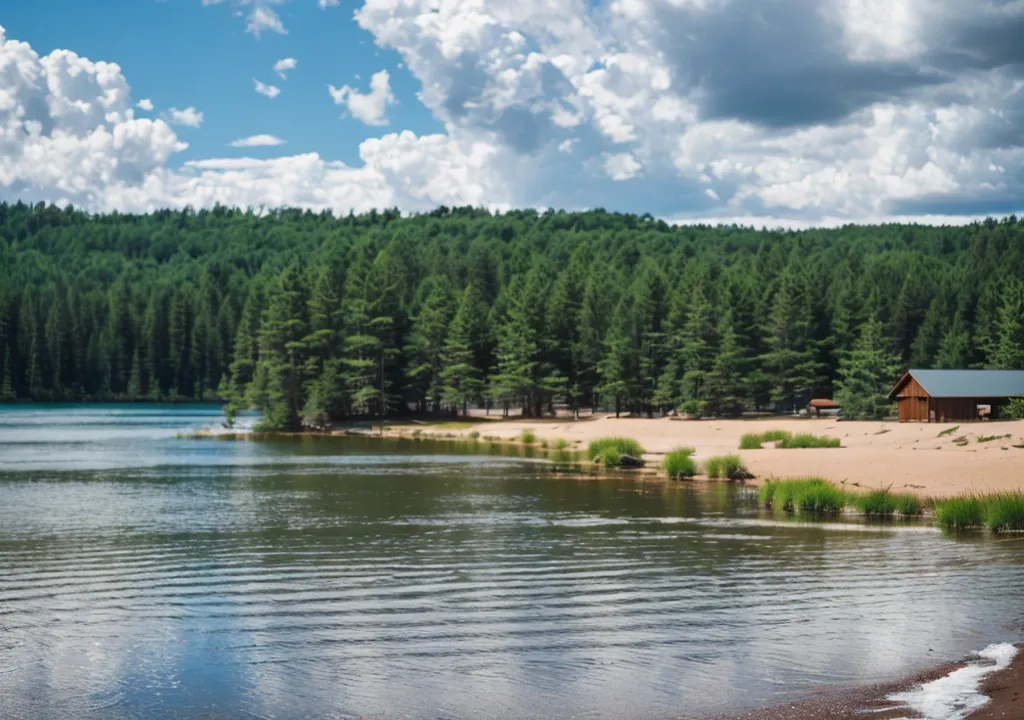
135	390
867	374
7	373
727	392
515	380
461	379
697	351
427	342
278	381
955	348
617	369
790	362
1008	351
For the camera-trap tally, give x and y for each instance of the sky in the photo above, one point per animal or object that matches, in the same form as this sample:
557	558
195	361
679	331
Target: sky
779	112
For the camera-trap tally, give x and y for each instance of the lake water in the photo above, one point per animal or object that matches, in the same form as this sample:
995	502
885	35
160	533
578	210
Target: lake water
142	575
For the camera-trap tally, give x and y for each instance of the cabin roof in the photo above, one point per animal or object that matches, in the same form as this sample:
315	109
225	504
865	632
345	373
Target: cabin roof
967	383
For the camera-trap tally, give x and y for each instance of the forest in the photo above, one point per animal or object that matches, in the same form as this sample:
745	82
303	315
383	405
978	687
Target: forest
315	319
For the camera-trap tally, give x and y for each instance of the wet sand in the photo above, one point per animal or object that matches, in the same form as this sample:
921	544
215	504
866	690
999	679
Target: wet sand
1004	689
908	457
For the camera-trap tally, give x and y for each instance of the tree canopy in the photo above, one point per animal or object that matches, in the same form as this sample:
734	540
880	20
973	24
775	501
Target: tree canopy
314	318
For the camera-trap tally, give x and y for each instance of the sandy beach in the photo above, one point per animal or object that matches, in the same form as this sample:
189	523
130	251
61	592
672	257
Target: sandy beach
908	457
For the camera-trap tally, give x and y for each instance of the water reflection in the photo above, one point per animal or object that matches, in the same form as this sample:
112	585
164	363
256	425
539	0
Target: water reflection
312	579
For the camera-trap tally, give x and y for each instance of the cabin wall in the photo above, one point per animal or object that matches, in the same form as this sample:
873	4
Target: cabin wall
912	409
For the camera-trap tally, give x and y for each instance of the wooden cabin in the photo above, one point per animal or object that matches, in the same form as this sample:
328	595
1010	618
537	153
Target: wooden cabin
817	406
955	395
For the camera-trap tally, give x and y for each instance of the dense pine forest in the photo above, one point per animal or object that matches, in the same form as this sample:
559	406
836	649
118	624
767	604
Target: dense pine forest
314	319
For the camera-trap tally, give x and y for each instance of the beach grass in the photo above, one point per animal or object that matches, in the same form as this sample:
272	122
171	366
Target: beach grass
561	444
1004	512
527	437
949	431
883	503
807	495
609	451
787	440
806	440
679	463
990	438
731	467
959	513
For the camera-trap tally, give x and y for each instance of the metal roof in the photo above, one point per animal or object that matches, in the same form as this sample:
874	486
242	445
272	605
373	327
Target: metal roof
971	383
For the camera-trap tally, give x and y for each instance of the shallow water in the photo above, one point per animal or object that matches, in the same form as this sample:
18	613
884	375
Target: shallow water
143	575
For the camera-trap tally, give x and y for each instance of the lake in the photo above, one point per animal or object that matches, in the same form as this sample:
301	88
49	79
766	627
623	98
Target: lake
144	575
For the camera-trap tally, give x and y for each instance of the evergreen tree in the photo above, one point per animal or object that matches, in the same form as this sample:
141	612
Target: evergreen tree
726	390
1008	351
617	369
955	348
461	379
427	342
790	362
7	373
867	374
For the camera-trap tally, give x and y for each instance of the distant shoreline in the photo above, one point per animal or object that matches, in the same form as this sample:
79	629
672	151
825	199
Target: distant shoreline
928	460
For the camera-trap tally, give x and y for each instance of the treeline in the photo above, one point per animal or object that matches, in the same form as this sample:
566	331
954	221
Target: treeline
314	319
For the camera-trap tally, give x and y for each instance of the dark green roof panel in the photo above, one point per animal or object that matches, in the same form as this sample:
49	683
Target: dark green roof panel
971	383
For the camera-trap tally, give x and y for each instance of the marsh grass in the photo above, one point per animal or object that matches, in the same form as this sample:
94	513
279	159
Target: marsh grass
679	463
527	437
949	431
1004	512
883	503
474	436
960	513
806	440
809	495
787	440
544	444
561	444
602	449
726	466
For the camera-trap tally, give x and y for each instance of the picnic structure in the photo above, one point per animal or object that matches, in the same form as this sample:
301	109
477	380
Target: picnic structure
955	395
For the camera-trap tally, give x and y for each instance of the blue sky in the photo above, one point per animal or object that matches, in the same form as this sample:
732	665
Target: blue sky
788	113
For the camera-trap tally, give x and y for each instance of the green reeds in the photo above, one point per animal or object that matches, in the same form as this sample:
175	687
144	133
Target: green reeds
726	466
605	450
806	440
787	440
990	438
1004	512
679	463
474	436
959	513
810	495
949	431
561	444
883	503
527	437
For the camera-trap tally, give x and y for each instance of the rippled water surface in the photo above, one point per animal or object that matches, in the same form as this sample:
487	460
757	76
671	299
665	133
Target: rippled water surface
142	575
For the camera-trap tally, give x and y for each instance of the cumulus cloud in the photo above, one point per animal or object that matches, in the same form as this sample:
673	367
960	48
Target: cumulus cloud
189	117
285	65
621	166
267	91
257	141
67	134
145	104
262	18
370	108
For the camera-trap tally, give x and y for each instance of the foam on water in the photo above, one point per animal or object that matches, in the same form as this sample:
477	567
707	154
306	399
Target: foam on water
958	694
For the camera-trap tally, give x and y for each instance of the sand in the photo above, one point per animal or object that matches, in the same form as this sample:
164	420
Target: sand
908	457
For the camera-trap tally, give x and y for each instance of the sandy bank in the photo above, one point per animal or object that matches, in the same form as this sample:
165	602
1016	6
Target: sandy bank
909	457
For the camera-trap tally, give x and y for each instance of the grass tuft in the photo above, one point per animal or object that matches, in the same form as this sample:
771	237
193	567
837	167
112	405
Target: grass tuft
679	463
750	441
883	503
474	436
806	440
959	513
602	447
527	437
726	466
1004	512
810	495
949	431
561	444
990	438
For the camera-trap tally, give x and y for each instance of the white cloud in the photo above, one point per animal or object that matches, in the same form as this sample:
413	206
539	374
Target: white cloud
621	166
263	17
268	91
285	65
568	144
370	108
324	4
257	141
145	104
189	117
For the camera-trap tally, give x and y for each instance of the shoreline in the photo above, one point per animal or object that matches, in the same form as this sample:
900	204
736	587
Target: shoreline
1003	689
931	461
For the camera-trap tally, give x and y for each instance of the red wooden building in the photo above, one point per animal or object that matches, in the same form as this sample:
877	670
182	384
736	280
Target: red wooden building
955	395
